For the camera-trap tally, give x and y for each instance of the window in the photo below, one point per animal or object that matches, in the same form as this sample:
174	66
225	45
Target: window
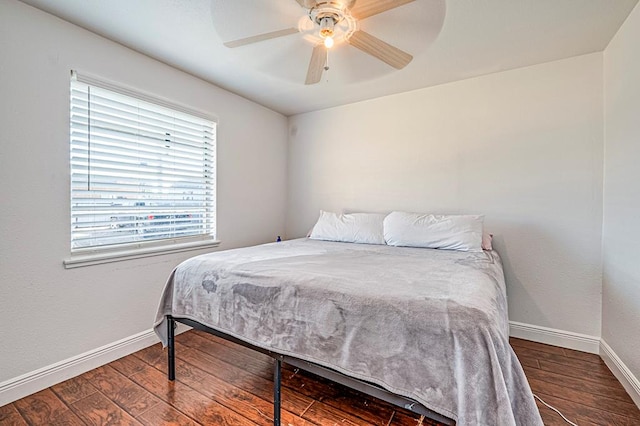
141	170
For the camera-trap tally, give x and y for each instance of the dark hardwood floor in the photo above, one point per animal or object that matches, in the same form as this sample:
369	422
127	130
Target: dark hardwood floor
220	383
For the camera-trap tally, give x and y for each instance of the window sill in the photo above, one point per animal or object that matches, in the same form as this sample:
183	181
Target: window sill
97	258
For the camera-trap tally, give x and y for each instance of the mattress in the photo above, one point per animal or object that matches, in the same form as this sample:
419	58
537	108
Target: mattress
427	324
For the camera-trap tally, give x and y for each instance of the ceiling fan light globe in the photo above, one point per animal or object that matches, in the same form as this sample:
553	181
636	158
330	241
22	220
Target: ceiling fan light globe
328	42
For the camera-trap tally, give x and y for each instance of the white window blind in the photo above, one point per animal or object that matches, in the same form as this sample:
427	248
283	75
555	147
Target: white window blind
139	171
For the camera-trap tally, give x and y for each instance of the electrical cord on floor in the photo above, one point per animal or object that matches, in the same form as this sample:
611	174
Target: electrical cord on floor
554	409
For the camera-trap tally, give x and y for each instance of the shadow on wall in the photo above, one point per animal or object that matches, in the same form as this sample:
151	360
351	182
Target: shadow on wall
514	284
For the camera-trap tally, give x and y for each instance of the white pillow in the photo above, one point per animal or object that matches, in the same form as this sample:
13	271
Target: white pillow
452	232
365	228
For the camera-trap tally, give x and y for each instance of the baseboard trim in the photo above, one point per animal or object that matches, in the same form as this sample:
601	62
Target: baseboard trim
35	381
628	380
555	337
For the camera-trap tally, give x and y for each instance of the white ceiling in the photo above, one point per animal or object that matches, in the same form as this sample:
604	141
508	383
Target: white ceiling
449	39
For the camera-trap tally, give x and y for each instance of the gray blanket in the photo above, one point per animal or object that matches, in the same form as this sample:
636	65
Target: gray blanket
427	324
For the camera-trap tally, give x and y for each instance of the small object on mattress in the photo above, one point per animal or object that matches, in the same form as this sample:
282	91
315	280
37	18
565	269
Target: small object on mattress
430	325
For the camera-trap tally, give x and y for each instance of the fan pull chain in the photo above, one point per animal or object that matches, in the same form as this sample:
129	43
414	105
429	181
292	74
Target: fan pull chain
326	65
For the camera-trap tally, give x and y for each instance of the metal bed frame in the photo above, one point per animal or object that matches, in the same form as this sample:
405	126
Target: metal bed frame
327	373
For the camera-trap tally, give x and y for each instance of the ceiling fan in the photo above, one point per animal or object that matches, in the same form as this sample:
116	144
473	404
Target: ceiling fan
336	21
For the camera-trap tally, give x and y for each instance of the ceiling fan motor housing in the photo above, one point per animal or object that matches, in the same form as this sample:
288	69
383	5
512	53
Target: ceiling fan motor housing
327	11
326	26
327	14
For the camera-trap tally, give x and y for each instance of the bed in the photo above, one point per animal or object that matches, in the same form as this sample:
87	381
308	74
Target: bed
422	328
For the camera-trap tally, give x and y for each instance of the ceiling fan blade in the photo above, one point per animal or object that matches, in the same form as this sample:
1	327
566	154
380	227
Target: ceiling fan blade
316	65
261	37
307	4
365	8
379	49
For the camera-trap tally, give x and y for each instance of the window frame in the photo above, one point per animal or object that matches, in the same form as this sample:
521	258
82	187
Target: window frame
84	256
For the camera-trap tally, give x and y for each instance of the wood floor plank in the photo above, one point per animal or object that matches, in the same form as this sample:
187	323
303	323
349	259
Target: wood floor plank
540	347
257	365
229	394
581	385
325	414
411	419
10	416
45	408
560	359
592	420
585	398
153	355
199	362
331	396
316	388
133	366
98	410
249	394
246	386
241	396
551	418
310	385
68	418
163	414
583	356
231	374
580	413
340	397
128	365
73	389
133	398
527	361
187	400
369	409
239	348
604	377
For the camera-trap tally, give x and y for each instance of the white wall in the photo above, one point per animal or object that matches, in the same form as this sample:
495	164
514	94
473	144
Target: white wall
524	147
48	313
621	230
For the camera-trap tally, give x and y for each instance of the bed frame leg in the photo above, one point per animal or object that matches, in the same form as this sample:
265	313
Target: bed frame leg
171	354
277	381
